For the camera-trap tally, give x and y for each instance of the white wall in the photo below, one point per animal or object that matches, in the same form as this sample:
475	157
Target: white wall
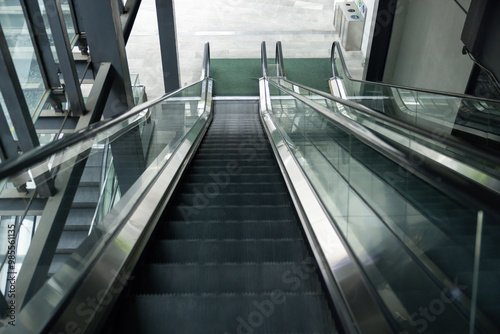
426	50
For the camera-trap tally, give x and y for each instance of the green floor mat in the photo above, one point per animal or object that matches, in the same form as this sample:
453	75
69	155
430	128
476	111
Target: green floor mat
240	77
235	77
310	72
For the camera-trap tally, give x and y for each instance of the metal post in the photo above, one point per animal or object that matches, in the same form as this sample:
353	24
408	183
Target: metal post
166	30
66	61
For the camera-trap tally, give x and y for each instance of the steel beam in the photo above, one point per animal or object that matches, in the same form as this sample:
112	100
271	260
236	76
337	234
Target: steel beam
37	262
36	265
41	43
14	99
168	44
129	14
106	42
18	109
8	147
65	55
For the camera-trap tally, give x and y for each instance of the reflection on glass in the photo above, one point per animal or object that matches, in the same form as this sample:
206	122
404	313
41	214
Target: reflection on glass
68	19
15	238
438	113
7	117
114	163
22	52
406	234
397	133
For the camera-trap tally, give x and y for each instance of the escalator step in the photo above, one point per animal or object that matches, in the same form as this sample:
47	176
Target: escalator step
211	187
254	313
245	161
230	156
227	278
223	178
225	213
248	229
219	251
234	169
200	199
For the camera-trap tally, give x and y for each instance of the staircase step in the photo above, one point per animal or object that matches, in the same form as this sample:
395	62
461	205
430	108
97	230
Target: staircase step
86	196
80	216
70	240
91	176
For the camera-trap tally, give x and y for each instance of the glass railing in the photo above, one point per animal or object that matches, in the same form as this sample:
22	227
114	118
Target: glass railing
416	243
463	116
478	167
99	175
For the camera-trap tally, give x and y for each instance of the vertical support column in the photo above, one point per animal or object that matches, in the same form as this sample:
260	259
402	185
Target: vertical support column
168	44
104	33
66	61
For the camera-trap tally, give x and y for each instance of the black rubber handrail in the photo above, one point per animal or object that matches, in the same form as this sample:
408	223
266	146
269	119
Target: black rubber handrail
205	67
39	154
279	60
263	60
336	45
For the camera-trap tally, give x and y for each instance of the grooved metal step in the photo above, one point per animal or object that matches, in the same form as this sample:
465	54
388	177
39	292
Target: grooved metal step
253	229
257	313
207	251
227	278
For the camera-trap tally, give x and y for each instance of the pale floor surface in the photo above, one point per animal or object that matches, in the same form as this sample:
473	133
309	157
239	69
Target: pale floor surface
235	29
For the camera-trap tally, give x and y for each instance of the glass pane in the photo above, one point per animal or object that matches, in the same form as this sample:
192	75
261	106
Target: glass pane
68	19
7	117
48	30
414	242
399	134
438	113
116	163
22	52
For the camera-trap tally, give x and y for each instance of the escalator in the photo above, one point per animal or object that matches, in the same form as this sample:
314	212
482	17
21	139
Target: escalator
228	254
